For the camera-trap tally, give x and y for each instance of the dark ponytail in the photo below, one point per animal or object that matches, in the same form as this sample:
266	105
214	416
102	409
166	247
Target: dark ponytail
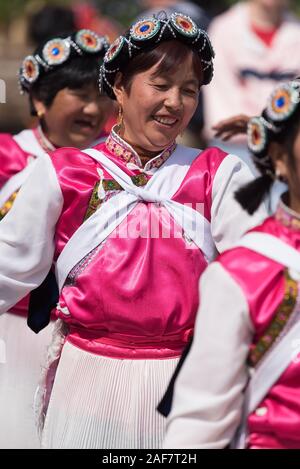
270	129
252	194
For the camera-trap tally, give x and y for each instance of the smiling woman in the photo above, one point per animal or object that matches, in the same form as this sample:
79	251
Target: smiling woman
66	98
155	214
158	94
61	80
75	117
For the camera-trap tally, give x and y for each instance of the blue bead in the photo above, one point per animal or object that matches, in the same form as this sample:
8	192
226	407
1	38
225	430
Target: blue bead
55	51
280	102
144	28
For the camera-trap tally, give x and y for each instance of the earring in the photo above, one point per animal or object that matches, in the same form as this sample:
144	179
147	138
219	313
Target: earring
40	114
279	176
120	120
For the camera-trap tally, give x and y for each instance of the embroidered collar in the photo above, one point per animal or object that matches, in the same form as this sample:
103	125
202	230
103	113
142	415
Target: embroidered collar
287	216
126	153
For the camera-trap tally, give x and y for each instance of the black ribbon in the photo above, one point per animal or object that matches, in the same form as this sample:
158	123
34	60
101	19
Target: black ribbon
42	300
165	405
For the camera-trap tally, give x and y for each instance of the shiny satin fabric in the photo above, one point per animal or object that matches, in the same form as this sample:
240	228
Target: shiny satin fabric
135	296
276	422
12	158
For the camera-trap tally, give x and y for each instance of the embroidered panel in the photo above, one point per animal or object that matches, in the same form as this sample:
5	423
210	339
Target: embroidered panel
111	187
8	204
94	202
278	323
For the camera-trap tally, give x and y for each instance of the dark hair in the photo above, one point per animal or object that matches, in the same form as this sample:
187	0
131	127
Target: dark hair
170	54
50	21
252	194
76	73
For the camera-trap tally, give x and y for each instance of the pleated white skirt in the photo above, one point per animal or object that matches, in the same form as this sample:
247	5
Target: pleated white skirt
99	402
22	353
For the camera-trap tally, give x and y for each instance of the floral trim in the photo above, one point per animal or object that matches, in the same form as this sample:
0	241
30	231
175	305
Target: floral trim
139	180
279	322
109	186
8	205
287	217
120	151
82	265
118	147
94	202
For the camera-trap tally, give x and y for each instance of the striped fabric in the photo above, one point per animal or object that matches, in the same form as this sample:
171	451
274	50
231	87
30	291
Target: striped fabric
100	402
21	358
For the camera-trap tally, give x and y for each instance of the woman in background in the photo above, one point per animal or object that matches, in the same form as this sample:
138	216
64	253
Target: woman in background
61	79
243	367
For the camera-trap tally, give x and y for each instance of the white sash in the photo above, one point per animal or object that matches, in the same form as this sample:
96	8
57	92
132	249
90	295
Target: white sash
279	358
27	141
161	187
273	248
15	182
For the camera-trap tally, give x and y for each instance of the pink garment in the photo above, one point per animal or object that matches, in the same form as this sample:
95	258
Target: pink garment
246	69
262	281
12	158
141	304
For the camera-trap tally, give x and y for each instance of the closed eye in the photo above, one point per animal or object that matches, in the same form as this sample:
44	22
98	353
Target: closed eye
162	87
190	91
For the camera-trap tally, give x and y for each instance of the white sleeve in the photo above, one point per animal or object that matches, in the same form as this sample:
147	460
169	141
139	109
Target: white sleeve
27	234
229	221
208	397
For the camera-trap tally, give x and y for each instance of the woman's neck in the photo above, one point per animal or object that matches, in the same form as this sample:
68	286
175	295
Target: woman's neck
144	155
265	18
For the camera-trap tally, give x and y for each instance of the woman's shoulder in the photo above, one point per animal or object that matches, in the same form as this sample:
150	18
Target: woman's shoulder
72	157
13	157
260	277
77	172
75	157
264	281
209	159
8	143
238	258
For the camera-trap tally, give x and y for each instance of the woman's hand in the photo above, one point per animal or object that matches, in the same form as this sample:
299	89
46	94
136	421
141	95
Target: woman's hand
228	128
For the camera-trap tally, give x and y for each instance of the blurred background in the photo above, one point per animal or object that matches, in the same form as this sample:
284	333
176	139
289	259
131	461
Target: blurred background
24	23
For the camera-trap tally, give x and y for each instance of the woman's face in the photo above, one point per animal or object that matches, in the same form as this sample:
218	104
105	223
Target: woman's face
76	117
157	109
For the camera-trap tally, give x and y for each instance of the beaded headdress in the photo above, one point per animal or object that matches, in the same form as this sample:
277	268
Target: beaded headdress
57	51
281	106
146	34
